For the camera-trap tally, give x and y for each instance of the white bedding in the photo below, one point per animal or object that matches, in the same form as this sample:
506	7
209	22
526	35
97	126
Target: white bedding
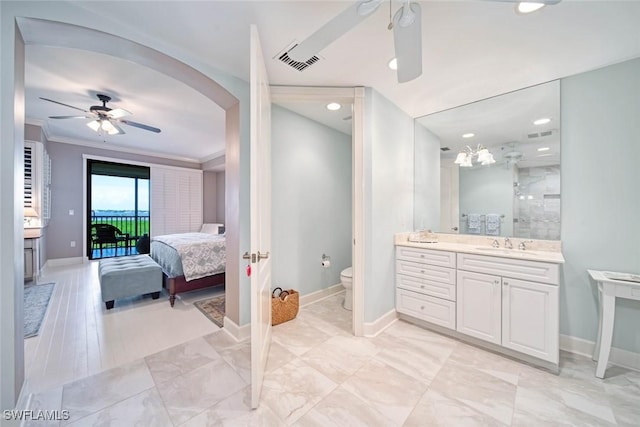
200	254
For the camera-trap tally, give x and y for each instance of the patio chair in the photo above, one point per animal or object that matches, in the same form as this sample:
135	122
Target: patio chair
107	234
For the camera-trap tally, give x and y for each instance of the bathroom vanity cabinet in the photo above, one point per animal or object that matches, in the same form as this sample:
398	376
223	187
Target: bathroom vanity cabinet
426	285
510	302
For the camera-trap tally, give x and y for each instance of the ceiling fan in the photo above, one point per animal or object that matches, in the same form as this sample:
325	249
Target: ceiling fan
104	118
407	32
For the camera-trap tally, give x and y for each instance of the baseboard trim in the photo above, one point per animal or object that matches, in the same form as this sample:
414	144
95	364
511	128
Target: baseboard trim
239	333
372	329
321	294
618	356
57	262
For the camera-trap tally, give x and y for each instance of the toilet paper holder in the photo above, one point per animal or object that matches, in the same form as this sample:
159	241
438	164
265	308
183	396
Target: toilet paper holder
326	261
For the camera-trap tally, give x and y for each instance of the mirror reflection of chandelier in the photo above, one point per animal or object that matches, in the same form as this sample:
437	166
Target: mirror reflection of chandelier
465	157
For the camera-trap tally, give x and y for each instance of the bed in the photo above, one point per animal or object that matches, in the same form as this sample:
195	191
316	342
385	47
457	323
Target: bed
190	261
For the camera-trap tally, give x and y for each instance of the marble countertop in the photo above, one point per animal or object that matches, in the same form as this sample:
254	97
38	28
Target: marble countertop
485	248
32	232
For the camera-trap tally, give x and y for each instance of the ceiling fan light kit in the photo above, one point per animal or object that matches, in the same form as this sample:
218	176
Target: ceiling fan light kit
104	118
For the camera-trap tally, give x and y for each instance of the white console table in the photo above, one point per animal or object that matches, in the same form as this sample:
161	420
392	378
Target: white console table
608	290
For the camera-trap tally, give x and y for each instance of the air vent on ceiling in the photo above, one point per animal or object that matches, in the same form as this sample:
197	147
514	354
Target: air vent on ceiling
300	66
445	149
541	134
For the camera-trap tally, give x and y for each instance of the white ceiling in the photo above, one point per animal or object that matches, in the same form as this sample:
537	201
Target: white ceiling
192	127
339	120
471	50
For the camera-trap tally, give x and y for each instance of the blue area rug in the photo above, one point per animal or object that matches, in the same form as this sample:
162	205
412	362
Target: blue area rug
36	301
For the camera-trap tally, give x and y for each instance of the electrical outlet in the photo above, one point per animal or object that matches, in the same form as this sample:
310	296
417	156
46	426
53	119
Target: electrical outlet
72	212
73	244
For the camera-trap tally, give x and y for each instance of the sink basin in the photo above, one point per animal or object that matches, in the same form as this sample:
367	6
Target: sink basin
512	252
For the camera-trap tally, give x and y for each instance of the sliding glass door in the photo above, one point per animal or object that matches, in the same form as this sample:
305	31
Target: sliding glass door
118	208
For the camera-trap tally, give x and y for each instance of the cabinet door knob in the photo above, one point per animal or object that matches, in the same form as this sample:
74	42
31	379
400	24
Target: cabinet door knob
421	255
506	283
497	282
422	271
422	308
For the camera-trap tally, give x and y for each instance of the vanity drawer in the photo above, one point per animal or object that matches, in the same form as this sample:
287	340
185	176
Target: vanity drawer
428	272
427	287
535	271
435	310
432	257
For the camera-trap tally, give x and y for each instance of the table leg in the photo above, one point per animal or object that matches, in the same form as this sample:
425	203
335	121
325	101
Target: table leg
608	315
596	350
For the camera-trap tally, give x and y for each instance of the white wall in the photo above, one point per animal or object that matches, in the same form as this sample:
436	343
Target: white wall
311	203
485	190
388	187
220	194
427	179
11	213
600	195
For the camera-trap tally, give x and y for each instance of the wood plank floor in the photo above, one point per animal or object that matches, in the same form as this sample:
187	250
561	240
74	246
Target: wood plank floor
79	337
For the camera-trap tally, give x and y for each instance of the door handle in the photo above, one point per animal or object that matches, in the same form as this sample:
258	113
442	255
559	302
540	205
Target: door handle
246	255
263	256
454	228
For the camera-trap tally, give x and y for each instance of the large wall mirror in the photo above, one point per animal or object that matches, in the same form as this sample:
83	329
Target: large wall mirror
498	169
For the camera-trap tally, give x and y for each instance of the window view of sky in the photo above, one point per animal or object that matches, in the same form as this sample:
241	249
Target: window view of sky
116	193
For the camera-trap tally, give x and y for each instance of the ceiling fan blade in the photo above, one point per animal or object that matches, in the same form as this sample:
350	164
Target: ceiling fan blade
70	117
140	125
117	113
334	29
407	39
66	105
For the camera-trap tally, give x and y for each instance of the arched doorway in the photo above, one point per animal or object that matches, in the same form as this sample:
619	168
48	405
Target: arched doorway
54	33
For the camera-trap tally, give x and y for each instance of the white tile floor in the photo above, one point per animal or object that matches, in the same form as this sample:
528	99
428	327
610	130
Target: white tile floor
80	338
318	374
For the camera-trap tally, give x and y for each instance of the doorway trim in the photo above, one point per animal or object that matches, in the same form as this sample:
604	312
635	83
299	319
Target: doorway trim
354	96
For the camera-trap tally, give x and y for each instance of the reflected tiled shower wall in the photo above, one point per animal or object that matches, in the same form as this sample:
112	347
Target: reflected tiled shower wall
537	202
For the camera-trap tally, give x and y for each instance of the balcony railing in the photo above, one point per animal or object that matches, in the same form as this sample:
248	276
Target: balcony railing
133	225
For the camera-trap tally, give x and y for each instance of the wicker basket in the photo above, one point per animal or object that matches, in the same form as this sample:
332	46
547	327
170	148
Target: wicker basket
284	306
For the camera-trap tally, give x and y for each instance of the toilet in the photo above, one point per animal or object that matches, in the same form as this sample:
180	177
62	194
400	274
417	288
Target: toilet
346	278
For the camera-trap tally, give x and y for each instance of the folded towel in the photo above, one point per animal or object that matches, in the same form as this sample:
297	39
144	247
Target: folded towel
493	224
474	223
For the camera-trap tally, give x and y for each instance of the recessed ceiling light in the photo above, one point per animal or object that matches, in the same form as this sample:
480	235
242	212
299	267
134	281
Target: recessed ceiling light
544	149
542	121
525	7
468	135
393	64
333	106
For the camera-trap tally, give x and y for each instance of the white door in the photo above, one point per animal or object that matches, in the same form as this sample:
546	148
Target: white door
478	311
530	318
260	190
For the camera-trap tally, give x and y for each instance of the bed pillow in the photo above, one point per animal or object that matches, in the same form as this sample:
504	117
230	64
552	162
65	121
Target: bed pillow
211	228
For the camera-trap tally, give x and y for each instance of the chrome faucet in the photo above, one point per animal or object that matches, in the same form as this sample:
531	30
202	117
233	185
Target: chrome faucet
523	244
507	243
495	243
